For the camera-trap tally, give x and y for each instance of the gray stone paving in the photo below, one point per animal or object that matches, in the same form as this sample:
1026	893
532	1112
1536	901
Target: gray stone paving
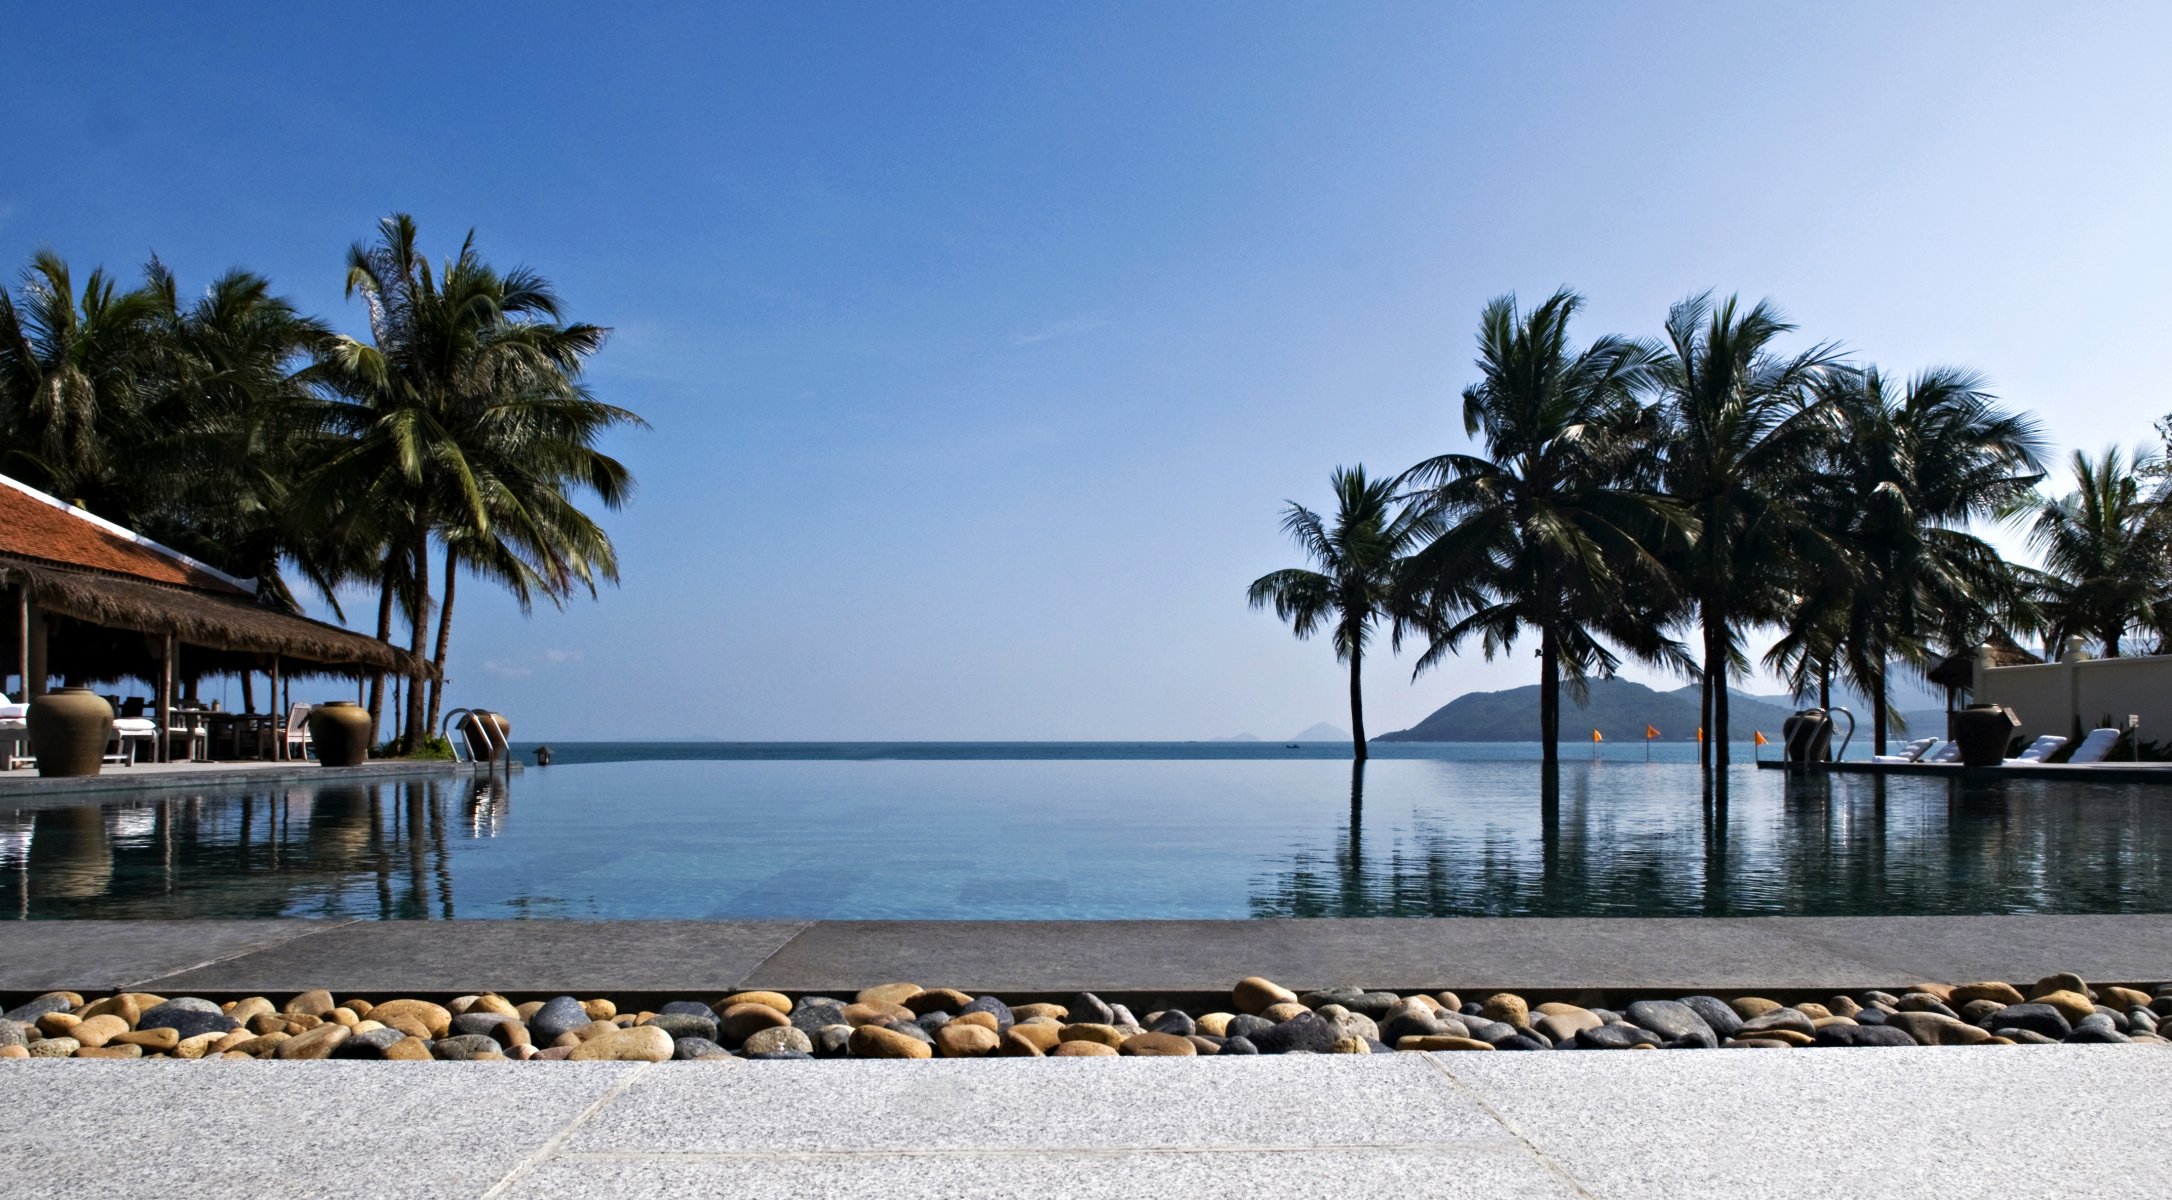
25	788
39	956
383	957
1775	954
2021	1120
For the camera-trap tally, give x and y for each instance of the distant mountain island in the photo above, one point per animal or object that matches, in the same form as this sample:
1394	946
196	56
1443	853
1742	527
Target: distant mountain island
1620	709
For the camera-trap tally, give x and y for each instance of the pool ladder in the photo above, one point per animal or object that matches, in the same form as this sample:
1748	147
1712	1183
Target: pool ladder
492	738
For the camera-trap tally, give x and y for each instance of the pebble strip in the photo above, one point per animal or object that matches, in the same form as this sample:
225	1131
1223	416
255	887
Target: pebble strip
905	1020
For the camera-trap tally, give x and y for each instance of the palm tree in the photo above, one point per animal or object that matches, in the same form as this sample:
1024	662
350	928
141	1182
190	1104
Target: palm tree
1358	579
465	409
1740	438
1554	529
2104	549
72	373
533	452
1894	568
230	426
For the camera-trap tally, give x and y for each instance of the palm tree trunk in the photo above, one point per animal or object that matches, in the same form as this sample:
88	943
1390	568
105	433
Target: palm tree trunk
1877	708
419	627
444	639
384	634
1715	681
1357	708
1704	722
1549	698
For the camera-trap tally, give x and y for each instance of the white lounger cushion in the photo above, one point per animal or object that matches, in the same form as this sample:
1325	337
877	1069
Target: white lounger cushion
135	727
2096	747
1950	752
1912	752
2040	749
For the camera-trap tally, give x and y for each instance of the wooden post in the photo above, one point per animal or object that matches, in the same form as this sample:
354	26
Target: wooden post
165	703
22	638
35	660
282	713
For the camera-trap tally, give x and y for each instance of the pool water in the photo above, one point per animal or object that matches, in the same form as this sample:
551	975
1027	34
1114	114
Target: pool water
1452	831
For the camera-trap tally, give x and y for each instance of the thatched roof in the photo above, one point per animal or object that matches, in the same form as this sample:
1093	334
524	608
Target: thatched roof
1959	670
214	620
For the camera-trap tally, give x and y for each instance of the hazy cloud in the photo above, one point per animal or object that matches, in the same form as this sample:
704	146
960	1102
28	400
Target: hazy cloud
1073	327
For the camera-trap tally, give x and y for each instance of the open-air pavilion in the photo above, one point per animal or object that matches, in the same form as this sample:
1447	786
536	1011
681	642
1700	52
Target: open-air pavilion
91	602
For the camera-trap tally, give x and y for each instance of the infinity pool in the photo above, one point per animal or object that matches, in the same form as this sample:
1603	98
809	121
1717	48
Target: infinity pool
1462	832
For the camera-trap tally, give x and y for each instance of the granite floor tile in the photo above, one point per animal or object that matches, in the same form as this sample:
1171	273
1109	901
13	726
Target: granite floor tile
1042	1104
2004	1120
1125	1175
178	1130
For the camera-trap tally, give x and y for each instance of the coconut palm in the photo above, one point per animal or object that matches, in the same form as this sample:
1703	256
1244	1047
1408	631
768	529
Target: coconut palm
1740	439
1553	530
465	401
534	451
73	370
2104	548
230	425
1894	571
1358	578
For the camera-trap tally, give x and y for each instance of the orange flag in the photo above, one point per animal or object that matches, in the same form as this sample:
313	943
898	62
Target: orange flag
1700	735
1650	733
1759	735
1595	736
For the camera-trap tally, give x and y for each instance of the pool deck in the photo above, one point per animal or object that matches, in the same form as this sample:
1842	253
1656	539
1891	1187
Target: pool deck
2104	772
2012	1120
2018	1120
1540	957
24	784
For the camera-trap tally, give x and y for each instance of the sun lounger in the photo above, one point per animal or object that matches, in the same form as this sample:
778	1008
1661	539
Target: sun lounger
14	731
2095	748
1947	753
2040	749
1913	752
127	733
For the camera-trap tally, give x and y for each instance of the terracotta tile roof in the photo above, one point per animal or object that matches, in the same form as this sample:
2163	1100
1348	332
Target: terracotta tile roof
35	525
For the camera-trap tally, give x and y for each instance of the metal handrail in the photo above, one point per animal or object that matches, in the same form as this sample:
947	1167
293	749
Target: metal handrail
493	737
1842	753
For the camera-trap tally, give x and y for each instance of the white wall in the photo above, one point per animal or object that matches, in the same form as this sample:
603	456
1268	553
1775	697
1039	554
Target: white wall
2052	697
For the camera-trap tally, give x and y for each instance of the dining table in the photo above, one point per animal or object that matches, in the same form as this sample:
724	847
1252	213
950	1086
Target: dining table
230	732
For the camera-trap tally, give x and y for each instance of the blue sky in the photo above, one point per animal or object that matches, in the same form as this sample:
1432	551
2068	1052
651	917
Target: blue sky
982	344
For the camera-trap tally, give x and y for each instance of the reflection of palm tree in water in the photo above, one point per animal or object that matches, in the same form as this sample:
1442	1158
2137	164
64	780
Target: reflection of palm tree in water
1350	862
1485	867
1439	880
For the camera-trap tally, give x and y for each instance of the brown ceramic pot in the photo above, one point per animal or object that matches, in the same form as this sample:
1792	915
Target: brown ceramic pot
1984	731
480	747
340	729
69	729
